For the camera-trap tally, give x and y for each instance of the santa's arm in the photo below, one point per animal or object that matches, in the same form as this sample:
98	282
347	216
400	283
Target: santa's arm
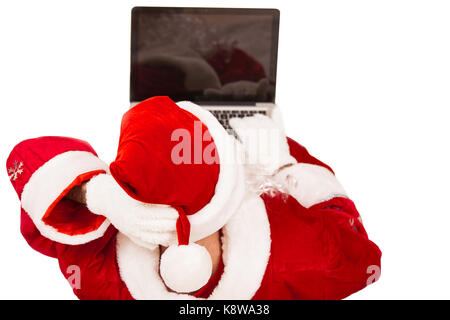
309	181
78	193
43	171
350	259
285	162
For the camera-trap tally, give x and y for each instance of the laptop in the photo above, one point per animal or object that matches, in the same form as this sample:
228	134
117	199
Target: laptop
224	59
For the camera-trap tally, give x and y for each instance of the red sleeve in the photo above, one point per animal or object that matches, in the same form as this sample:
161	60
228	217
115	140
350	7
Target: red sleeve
42	171
353	261
321	252
320	248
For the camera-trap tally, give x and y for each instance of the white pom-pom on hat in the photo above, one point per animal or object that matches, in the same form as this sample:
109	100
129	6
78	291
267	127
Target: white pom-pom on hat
185	268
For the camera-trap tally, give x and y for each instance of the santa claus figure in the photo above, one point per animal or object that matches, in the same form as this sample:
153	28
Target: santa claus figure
188	211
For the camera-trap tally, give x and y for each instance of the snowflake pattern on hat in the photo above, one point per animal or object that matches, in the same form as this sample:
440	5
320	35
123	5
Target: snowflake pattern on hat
16	171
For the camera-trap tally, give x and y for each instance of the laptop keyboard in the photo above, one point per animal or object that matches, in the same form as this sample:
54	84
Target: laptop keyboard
225	115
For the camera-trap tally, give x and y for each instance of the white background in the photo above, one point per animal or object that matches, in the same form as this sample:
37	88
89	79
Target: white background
364	85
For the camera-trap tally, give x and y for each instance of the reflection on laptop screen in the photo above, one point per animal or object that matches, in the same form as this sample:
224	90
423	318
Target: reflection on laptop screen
204	54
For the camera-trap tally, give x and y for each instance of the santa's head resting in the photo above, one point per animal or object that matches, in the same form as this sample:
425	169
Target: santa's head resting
175	180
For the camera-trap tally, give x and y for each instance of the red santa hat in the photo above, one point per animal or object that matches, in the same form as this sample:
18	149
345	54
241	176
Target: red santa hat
180	156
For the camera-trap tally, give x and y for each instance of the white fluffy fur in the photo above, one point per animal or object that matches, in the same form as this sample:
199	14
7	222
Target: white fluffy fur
49	181
246	250
264	142
185	268
147	224
310	184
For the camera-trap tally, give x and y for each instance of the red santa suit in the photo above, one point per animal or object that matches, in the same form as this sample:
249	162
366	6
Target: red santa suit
301	237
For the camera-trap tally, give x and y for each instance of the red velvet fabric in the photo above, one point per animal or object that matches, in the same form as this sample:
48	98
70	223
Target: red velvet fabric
34	238
65	216
322	252
99	273
144	167
183	228
318	253
70	217
38	151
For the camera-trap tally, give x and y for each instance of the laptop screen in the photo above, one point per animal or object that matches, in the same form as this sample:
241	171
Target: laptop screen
204	54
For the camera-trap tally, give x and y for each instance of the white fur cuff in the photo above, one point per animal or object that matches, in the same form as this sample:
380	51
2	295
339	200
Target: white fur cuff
148	224
48	183
264	142
310	184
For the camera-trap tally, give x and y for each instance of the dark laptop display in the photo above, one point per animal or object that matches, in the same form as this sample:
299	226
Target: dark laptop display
204	54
